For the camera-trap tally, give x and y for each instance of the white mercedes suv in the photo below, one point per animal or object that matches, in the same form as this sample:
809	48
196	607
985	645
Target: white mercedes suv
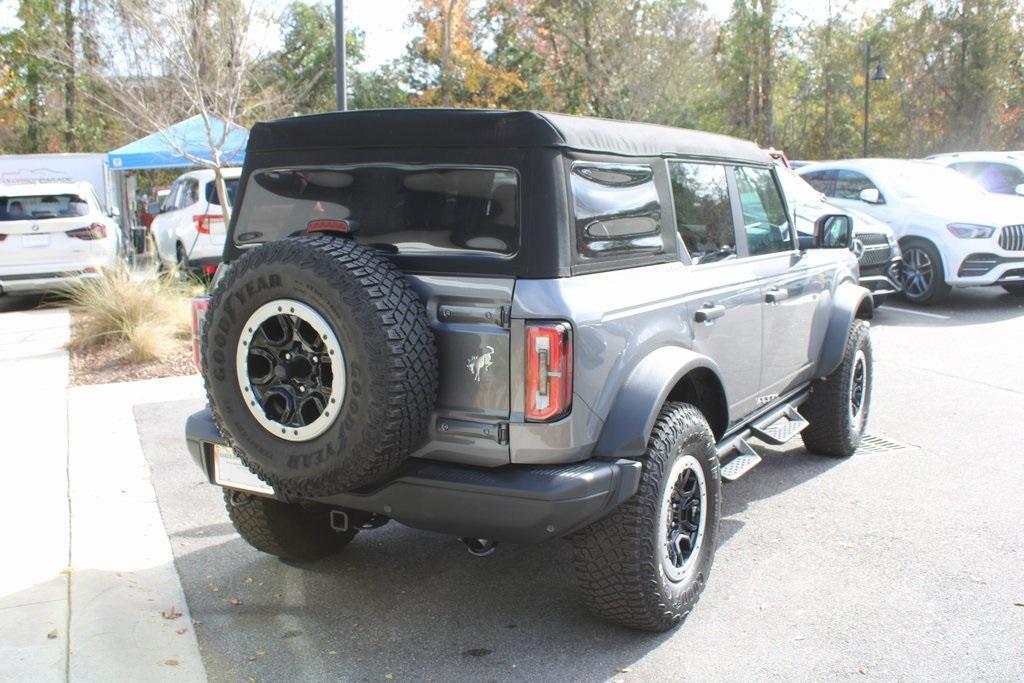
189	230
952	232
50	234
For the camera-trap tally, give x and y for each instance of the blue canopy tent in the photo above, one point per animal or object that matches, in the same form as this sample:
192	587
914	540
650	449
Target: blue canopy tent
178	146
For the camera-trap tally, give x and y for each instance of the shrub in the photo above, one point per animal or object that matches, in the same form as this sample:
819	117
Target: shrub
146	315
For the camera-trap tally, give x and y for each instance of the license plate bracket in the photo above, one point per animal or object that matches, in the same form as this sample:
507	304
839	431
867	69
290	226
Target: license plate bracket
230	472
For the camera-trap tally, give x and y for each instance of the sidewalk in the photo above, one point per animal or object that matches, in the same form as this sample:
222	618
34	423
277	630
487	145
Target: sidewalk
93	593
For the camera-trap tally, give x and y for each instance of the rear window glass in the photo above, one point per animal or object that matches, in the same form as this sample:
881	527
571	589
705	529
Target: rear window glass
616	207
36	207
231	184
403	209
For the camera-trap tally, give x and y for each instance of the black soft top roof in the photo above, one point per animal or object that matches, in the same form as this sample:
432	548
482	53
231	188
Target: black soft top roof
419	128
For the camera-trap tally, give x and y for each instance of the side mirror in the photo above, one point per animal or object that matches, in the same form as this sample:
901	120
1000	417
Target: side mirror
834	231
871	195
1019	189
805	242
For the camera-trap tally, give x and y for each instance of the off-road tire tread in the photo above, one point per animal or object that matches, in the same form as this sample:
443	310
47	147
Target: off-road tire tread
412	382
286	530
830	431
615	559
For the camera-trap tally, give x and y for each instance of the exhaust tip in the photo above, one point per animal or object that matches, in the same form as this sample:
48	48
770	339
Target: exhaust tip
479	547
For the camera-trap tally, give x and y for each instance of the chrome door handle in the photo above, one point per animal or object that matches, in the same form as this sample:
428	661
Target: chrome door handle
709	312
775	295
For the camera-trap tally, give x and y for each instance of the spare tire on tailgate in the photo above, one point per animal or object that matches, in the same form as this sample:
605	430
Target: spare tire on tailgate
320	366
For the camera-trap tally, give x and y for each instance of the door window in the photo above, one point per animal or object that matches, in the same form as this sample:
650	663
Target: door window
994	177
703	211
189	193
822	181
850	183
764	213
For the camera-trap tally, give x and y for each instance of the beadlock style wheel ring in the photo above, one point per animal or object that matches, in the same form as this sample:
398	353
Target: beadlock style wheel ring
291	370
858	387
683	518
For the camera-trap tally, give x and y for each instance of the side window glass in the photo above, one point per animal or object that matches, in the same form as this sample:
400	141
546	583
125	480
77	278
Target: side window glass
764	214
1001	178
703	211
171	202
820	181
616	208
850	183
191	193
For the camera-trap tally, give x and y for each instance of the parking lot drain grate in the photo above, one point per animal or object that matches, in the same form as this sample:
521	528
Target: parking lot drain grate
869	443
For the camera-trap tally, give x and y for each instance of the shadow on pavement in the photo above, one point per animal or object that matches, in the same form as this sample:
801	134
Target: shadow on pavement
396	601
18	303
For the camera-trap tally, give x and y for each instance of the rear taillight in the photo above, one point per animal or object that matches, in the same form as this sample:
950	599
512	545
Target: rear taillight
203	222
200	304
548	370
96	231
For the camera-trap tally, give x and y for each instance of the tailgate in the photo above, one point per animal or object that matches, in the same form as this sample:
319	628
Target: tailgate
470	319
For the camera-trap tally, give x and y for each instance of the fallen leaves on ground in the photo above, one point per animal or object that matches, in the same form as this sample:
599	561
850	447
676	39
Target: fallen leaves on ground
171	613
171	662
622	669
52	635
234	601
181	631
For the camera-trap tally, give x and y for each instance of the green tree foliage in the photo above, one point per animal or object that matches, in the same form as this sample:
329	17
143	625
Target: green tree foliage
765	73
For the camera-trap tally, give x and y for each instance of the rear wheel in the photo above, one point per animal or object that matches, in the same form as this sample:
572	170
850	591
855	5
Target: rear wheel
181	259
645	565
924	278
291	531
1016	289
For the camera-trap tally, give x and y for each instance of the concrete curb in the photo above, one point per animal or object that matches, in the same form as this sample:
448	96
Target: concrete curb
128	617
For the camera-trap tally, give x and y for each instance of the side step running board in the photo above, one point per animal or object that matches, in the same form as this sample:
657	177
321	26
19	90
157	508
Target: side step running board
746	459
782	429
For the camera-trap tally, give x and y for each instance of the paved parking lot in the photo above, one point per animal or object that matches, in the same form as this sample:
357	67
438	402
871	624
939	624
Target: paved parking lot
901	564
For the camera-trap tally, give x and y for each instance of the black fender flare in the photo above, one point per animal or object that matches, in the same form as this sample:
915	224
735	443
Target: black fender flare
631	418
851	301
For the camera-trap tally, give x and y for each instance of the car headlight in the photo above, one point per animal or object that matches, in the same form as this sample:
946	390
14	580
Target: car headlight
969	231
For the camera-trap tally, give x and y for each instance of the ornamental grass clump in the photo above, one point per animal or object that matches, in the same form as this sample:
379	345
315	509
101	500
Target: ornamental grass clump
145	315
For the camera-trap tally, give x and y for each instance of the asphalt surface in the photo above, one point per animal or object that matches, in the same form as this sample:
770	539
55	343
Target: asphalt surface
903	564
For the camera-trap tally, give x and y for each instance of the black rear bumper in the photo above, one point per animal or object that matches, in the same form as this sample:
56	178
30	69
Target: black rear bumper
516	503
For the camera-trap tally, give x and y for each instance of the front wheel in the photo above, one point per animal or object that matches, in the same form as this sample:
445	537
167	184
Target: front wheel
291	531
838	406
645	565
924	278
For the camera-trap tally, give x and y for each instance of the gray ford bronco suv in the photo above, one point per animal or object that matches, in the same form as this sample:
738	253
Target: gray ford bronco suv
520	326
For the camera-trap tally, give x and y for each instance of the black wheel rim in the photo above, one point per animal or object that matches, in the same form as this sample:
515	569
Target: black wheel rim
858	385
918	272
291	370
684	511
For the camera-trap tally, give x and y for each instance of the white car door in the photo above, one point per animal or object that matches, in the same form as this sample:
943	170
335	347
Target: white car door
163	225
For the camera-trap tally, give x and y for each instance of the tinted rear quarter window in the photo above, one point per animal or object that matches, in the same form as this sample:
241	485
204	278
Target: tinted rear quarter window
398	208
616	209
231	184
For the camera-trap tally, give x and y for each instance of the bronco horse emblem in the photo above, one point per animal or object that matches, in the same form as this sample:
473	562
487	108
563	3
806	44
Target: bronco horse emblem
477	364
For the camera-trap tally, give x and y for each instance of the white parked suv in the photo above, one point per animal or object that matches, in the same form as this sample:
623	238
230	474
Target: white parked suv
189	230
953	233
998	172
51	234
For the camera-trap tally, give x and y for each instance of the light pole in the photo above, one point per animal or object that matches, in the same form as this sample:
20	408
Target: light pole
879	75
339	55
